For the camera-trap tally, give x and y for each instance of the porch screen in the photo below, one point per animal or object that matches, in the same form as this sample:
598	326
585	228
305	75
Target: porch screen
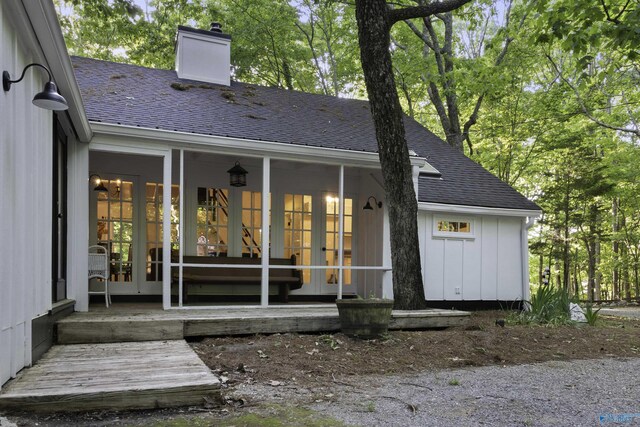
154	211
252	224
212	222
332	234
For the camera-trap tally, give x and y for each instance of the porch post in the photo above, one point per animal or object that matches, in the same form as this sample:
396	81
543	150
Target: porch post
264	242
166	231
387	275
181	228
341	231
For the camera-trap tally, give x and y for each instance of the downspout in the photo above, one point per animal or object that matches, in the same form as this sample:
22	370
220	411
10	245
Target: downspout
527	223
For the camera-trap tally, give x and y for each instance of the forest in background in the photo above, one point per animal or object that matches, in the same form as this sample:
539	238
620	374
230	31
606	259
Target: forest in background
545	94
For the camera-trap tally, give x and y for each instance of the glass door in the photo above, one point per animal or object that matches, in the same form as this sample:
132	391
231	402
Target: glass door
331	242
115	228
298	231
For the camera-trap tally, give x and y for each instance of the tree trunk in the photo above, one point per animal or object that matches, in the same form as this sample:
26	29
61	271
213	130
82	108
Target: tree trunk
373	33
616	250
565	244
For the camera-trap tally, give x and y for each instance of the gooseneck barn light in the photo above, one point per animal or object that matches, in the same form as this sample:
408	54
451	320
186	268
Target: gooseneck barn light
48	99
368	206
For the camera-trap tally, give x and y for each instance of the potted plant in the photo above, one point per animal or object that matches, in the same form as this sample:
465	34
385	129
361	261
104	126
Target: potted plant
364	318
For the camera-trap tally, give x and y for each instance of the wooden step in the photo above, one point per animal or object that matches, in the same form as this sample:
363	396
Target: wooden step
139	375
125	326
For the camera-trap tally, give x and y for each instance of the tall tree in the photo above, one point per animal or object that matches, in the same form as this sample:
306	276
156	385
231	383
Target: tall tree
375	19
462	64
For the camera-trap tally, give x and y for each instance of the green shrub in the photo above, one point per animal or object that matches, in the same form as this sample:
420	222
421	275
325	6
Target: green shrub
591	315
548	305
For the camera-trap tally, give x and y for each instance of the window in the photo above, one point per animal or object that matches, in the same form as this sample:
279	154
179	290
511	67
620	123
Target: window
458	227
297	230
115	226
153	209
212	222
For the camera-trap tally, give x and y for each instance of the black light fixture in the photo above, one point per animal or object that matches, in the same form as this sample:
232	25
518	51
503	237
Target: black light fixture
237	176
49	98
368	206
99	184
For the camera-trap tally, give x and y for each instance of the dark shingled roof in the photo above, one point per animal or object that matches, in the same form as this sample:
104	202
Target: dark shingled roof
148	98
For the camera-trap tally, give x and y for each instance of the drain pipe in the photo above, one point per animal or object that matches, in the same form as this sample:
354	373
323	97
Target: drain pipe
527	223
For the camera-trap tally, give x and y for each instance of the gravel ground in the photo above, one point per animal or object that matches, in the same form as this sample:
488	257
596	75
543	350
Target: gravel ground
630	312
575	393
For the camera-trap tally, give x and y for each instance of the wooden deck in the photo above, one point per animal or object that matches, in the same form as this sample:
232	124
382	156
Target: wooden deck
122	323
137	375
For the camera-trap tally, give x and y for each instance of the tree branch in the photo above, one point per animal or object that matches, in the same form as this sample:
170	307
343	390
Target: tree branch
615	19
583	106
395	15
419	34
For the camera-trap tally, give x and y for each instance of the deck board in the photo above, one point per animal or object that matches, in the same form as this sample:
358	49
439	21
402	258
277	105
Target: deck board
112	376
131	323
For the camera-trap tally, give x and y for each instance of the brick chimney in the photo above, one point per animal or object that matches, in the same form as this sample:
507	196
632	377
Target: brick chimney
204	55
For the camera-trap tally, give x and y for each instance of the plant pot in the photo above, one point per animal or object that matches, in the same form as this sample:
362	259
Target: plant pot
364	318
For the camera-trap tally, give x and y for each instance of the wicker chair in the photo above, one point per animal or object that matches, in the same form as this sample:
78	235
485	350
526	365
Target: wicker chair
99	269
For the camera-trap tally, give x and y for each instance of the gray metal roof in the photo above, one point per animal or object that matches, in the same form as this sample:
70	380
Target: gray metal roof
131	95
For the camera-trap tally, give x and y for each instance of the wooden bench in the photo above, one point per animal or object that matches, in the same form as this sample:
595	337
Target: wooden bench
287	279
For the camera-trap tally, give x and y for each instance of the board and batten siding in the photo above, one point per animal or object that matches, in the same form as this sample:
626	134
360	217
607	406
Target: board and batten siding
485	266
25	206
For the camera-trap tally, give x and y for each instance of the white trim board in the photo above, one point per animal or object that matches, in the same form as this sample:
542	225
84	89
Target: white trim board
477	210
110	134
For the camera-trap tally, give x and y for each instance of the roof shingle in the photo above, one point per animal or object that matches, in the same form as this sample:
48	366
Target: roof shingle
150	98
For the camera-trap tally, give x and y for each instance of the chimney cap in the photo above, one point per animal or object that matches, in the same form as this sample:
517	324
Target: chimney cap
219	34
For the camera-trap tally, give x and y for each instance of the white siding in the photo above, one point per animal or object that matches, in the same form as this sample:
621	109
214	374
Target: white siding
25	206
487	266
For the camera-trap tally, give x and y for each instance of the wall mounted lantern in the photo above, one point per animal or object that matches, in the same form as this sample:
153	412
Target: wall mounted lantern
368	206
237	176
49	98
99	184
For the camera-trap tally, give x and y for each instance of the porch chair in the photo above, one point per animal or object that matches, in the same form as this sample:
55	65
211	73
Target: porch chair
99	269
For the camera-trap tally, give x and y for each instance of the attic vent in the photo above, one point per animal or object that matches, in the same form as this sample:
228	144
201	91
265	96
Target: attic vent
216	27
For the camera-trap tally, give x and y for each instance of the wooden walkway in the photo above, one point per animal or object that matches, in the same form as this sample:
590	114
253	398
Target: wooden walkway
122	323
137	375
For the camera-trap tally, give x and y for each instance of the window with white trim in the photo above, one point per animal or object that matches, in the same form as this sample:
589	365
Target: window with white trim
453	227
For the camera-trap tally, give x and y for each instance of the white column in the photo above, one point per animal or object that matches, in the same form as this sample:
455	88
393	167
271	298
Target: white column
181	225
166	231
264	243
341	231
78	223
387	275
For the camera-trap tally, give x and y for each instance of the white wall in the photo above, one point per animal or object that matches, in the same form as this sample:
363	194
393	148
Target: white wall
487	266
25	206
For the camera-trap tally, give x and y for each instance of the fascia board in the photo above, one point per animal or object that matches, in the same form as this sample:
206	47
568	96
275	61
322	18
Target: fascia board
121	134
44	23
478	210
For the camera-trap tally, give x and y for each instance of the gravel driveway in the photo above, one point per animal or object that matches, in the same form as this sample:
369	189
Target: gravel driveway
631	312
575	393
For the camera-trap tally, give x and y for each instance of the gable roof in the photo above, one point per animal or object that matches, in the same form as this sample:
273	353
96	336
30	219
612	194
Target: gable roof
136	96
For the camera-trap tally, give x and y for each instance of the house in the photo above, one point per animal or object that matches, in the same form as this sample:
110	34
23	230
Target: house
134	137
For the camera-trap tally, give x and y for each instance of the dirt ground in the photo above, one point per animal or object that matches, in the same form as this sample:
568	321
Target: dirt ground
318	362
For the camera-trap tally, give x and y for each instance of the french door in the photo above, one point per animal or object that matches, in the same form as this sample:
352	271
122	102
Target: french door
331	245
115	230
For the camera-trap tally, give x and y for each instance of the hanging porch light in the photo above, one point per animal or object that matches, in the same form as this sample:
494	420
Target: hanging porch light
237	176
